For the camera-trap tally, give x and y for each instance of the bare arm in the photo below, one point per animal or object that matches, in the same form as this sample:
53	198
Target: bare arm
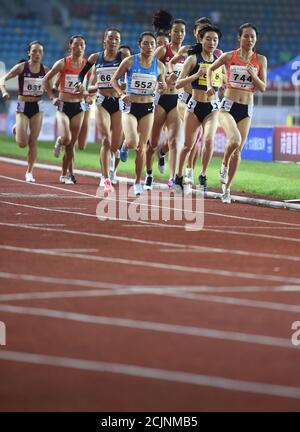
174	60
15	71
161	82
122	69
221	61
56	69
184	77
260	80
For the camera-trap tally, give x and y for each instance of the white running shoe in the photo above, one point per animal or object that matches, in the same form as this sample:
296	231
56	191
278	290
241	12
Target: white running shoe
225	197
29	178
138	190
108	187
189	176
101	184
66	180
223	174
57	147
113	177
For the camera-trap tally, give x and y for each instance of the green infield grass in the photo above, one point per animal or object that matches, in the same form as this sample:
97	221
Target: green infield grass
269	179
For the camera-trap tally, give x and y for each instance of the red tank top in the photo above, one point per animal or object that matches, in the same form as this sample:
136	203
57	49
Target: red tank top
238	76
69	75
30	84
177	68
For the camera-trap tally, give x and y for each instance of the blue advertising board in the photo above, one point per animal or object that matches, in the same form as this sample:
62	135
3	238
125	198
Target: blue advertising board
259	144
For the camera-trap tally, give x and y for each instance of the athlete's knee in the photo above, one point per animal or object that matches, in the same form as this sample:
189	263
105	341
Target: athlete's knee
65	140
172	143
22	144
106	142
235	141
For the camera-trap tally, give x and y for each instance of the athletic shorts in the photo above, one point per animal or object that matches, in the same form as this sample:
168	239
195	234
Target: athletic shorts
29	108
237	110
110	103
71	109
202	109
168	102
139	110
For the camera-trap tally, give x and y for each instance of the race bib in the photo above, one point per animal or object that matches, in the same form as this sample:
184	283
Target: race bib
240	77
33	86
104	76
178	68
143	84
70	81
217	76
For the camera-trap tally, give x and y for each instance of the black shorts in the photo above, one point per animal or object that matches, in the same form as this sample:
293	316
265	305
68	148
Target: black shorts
168	102
110	103
71	109
139	110
28	108
237	110
184	97
202	109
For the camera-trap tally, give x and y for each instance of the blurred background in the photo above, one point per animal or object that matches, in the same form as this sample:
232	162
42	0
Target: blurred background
53	22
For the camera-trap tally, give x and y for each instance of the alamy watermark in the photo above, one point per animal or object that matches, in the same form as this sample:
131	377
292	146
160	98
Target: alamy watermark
153	206
296	75
296	335
2	334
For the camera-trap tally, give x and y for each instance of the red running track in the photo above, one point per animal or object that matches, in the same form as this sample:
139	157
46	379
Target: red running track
128	316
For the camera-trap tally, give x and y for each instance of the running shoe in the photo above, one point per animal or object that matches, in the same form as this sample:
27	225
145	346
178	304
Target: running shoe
223	174
203	183
178	185
171	183
138	190
123	154
57	147
161	162
148	182
101	184
29	178
66	180
225	197
108	187
113	177
189	176
73	178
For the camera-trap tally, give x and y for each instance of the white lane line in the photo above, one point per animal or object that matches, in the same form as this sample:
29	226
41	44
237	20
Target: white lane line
238	302
232	252
174	247
150	326
154	373
150	264
224	215
163	225
147	289
46	225
75	250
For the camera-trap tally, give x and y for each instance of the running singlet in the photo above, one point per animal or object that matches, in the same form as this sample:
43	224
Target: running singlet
69	76
30	84
200	83
105	70
177	68
238	76
140	80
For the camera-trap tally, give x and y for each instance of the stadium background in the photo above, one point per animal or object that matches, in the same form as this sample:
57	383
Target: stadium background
54	22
